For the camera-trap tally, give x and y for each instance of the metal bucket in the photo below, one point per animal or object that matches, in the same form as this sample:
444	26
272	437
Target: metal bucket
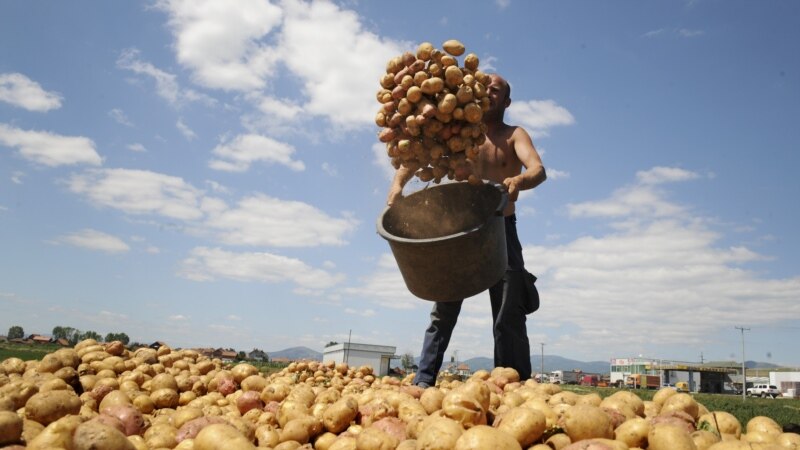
449	239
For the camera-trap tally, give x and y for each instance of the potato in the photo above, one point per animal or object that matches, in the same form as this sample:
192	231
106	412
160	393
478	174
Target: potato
704	439
669	437
161	435
453	47
190	429
132	420
56	435
439	434
482	437
633	432
524	424
723	422
788	440
47	407
681	402
597	444
587	422
95	435
10	427
221	436
339	415
373	438
765	425
558	441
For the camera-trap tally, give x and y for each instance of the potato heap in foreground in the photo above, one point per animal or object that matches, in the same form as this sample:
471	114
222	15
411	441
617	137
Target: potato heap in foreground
431	111
99	396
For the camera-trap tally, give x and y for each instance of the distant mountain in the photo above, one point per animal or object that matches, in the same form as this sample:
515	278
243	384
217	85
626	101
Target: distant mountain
551	363
295	353
760	365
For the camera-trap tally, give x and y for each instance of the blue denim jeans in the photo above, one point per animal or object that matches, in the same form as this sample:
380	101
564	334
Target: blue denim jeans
511	346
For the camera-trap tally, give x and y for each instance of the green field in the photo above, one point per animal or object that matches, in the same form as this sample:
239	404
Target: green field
25	352
782	410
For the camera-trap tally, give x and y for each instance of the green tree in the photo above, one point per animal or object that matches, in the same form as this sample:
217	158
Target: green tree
89	334
241	355
122	337
407	361
16	332
59	332
331	343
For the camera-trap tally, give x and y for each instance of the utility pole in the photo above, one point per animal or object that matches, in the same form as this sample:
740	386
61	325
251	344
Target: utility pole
744	374
541	378
701	358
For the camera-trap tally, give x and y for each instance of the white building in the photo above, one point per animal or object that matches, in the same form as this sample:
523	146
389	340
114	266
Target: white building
787	382
355	355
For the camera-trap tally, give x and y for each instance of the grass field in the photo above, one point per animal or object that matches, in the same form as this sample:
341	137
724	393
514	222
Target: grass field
25	352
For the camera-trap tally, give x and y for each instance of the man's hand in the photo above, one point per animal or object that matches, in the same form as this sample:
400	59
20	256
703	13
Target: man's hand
513	186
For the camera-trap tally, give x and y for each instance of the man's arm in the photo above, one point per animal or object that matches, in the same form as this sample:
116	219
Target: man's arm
401	177
534	173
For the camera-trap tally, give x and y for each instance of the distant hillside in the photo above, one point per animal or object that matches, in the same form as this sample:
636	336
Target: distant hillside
295	353
551	363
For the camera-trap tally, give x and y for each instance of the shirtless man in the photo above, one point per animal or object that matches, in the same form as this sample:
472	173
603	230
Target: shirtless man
502	156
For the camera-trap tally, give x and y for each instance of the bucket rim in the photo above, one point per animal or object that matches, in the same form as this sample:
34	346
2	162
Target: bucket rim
498	212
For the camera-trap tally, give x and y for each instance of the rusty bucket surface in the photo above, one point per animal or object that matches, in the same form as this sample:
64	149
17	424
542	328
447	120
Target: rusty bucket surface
449	239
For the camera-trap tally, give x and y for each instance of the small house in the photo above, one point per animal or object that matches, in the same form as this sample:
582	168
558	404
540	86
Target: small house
355	355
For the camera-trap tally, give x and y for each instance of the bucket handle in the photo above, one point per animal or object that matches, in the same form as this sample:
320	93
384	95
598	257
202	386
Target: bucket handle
503	198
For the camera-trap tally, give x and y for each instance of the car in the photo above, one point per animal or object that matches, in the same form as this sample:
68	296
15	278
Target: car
763	390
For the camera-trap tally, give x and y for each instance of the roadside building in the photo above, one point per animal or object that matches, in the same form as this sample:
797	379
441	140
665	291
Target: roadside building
787	382
708	378
258	355
355	355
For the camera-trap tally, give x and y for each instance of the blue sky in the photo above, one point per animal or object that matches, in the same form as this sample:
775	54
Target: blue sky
208	173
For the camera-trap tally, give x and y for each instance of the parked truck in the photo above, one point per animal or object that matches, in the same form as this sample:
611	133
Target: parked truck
565	377
639	381
588	379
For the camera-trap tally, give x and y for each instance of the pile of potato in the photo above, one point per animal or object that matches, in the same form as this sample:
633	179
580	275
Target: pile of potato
431	111
102	396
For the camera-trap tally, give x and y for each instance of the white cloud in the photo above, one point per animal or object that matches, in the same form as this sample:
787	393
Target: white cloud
167	86
683	32
538	116
238	154
220	41
382	160
187	132
119	116
267	221
50	149
153	250
674	32
385	286
95	240
280	109
502	4
207	264
19	90
16	177
239	45
360	312
334	68
178	318
555	174
136	147
330	169
638	200
139	192
217	187
659	175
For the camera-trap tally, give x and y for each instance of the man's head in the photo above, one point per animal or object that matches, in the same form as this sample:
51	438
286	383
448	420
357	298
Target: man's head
499	96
